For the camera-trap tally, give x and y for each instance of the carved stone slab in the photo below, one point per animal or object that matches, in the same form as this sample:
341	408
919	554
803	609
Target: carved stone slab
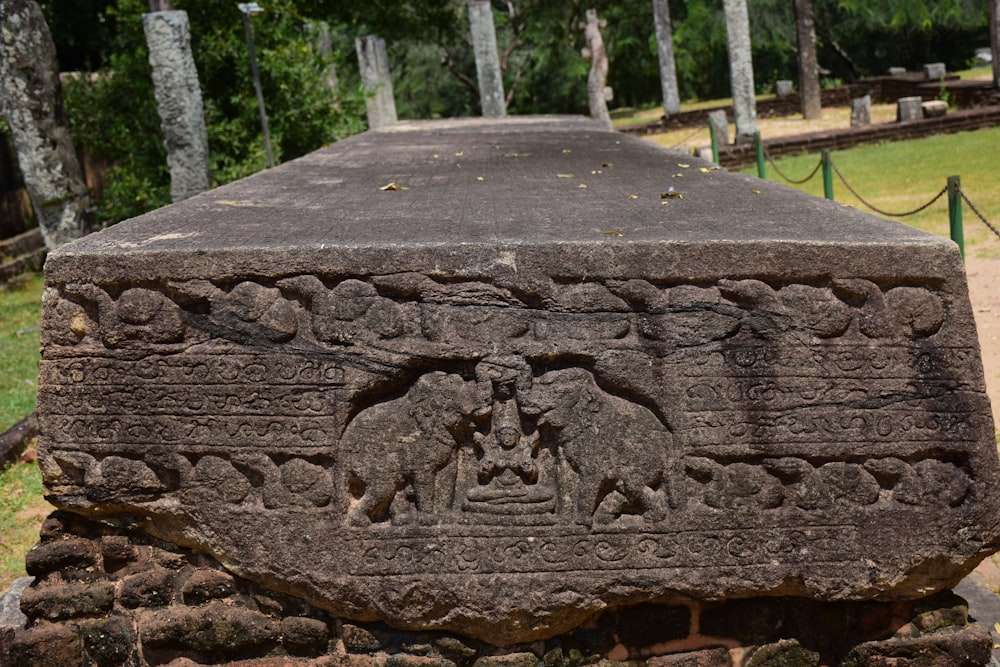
549	371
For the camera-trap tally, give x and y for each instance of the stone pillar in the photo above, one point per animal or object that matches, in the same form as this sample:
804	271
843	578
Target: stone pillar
741	69
31	99
861	111
178	100
598	93
375	78
812	103
718	125
783	88
995	40
935	71
488	71
665	48
909	108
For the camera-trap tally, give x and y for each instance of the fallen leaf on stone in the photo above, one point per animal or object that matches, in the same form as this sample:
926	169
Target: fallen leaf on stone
608	165
566	151
756	192
582	186
480	178
564	175
436	156
613	232
671	193
459	153
596	171
393	186
633	196
706	170
676	175
682	165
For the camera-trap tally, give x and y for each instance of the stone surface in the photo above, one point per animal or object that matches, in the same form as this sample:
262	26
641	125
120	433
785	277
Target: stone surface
934	108
861	111
178	101
935	71
376	78
10	604
718	125
909	108
490	401
488	71
784	87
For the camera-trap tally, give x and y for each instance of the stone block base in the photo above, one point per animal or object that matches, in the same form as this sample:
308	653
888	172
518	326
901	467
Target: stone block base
113	596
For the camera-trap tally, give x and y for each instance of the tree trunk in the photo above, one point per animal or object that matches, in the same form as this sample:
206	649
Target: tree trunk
808	64
598	93
665	44
31	98
484	45
995	40
741	69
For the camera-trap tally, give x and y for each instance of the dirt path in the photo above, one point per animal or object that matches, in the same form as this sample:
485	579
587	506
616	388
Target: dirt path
984	291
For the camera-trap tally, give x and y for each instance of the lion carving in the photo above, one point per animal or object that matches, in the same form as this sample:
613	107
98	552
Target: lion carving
612	444
404	442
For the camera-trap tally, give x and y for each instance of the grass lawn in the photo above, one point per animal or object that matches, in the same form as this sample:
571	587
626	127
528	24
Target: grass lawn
22	508
900	176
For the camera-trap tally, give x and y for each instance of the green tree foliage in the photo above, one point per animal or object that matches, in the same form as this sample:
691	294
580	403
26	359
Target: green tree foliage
113	111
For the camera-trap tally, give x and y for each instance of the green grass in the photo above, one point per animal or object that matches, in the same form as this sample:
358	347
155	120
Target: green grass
900	176
21	513
22	508
20	308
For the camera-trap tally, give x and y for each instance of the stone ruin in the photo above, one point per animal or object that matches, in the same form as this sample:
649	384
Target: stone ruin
505	393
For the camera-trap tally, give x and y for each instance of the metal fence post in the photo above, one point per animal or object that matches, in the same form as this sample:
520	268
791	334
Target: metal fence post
715	143
759	149
827	174
955	213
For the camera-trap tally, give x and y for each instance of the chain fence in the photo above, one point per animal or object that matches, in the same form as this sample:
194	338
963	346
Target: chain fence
955	198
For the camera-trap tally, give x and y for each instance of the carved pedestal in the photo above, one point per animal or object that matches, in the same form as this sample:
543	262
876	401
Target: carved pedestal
548	372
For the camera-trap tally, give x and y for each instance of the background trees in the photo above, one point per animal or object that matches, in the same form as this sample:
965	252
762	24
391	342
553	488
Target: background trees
113	114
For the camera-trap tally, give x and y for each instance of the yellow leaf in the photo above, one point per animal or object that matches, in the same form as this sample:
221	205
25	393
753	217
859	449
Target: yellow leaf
613	232
671	193
393	186
633	196
436	156
596	171
682	165
564	175
608	165
459	153
566	151
480	178
756	192
582	186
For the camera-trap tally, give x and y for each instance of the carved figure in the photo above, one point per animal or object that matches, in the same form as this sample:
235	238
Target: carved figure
908	312
611	443
137	314
405	441
350	312
247	312
734	486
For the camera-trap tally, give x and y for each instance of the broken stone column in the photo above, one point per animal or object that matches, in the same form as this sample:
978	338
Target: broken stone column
31	100
861	111
909	108
488	71
613	420
598	92
377	81
178	100
935	71
741	69
718	125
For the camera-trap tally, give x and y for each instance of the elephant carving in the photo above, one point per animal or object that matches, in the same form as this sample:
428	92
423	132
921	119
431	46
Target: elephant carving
407	441
613	444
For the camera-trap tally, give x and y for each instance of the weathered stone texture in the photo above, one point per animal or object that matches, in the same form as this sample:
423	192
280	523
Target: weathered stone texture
503	418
